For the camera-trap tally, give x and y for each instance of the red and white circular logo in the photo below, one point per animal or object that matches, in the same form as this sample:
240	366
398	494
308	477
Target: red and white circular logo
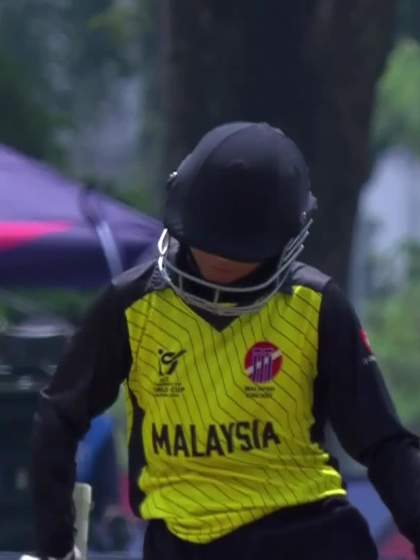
263	362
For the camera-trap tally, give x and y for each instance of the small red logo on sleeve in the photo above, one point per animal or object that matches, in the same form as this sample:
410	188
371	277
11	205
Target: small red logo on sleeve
365	341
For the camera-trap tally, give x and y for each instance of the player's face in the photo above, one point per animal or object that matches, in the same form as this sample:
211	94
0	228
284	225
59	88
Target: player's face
220	270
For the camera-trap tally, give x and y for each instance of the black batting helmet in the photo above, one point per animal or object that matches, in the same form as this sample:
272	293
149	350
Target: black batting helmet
242	193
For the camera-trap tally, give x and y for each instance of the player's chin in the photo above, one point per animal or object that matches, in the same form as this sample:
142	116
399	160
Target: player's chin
222	277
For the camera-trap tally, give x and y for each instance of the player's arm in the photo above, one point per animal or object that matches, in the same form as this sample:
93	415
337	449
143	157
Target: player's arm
86	383
363	415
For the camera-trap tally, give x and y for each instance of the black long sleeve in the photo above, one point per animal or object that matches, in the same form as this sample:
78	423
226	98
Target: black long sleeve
86	383
363	415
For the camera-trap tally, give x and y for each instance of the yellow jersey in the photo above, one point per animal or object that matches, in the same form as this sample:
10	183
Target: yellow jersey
223	418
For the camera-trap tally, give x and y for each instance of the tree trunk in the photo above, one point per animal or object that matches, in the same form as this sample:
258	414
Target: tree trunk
307	66
347	47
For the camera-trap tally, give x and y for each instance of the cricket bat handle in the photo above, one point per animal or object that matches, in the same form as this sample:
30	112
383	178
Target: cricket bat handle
82	497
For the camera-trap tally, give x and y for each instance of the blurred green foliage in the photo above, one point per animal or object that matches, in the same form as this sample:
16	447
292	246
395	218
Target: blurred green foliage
56	61
135	28
393	315
393	323
397	115
24	124
397	110
71	305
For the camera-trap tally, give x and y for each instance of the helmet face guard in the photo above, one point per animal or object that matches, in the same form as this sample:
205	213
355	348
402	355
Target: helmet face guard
223	298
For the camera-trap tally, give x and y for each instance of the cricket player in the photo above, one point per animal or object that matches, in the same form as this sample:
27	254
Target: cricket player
233	356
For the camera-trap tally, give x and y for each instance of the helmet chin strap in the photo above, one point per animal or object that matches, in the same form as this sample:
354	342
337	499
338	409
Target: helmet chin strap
217	303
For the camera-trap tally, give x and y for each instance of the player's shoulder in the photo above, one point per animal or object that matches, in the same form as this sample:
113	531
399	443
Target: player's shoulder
302	274
335	302
136	282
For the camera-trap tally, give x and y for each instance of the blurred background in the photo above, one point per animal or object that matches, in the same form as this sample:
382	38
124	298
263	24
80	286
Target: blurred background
100	99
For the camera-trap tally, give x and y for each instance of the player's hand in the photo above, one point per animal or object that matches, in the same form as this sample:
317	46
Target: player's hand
72	555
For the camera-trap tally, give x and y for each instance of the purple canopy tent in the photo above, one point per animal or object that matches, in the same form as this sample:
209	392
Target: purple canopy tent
56	233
